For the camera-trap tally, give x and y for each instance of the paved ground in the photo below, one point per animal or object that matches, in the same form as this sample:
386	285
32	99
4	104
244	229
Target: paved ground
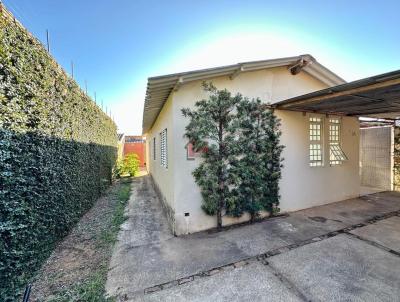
385	233
252	282
341	268
343	251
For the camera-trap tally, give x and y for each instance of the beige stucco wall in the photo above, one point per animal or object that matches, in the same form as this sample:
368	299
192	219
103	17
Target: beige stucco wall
301	186
162	177
120	150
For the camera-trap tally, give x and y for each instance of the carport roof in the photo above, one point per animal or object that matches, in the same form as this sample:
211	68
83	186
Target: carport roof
376	96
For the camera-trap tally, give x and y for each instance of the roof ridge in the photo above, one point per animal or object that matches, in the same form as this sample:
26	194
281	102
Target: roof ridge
160	87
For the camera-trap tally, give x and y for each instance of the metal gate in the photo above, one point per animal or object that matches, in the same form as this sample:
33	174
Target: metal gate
376	157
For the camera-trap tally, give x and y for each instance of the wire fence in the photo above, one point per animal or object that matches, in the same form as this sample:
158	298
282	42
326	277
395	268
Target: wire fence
6	13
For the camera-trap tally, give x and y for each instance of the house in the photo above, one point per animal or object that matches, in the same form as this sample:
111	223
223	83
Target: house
136	144
319	123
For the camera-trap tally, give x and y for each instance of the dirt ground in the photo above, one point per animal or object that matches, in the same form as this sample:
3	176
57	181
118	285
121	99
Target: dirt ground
85	250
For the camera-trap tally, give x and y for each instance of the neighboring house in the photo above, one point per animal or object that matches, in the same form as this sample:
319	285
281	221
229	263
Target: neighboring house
135	144
321	155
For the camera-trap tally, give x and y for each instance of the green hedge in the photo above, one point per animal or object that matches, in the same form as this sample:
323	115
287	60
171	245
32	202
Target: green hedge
57	150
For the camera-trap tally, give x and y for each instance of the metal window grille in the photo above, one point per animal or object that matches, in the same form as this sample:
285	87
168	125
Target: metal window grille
336	154
316	150
163	149
154	148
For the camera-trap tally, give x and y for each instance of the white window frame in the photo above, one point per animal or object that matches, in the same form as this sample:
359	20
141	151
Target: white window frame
316	143
164	149
336	154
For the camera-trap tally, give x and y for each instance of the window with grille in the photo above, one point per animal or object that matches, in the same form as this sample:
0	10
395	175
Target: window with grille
316	150
163	149
154	148
336	154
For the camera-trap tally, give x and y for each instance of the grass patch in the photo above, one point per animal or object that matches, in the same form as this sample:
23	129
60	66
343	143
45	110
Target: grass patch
92	289
109	236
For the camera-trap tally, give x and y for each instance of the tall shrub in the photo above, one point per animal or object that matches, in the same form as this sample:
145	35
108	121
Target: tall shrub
241	154
129	165
258	169
212	126
57	149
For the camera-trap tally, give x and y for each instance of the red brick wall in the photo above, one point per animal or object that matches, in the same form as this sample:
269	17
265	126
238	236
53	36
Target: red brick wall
139	148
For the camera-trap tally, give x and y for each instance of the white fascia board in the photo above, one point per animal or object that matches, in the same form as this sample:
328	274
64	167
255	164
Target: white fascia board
178	84
268	64
236	73
324	75
159	88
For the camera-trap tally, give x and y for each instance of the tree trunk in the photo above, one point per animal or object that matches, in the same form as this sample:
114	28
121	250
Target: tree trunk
220	174
219	217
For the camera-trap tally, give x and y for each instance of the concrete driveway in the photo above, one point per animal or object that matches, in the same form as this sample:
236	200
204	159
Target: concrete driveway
345	251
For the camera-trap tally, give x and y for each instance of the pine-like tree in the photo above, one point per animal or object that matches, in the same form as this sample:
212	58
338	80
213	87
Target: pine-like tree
213	128
258	167
241	166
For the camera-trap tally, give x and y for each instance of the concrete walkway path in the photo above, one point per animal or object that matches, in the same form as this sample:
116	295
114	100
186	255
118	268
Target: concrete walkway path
253	262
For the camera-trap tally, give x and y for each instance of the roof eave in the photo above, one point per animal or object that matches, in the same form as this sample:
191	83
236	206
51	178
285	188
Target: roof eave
323	74
160	87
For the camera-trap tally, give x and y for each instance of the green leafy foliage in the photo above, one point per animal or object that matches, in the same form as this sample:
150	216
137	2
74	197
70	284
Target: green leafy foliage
258	169
129	165
241	158
91	290
212	126
57	150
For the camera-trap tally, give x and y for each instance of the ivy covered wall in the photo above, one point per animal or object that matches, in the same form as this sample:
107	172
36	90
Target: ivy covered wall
57	150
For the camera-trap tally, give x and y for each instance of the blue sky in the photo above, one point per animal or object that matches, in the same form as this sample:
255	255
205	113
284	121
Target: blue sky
116	45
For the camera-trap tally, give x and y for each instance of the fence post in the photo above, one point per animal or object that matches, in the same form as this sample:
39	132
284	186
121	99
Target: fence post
48	40
27	293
